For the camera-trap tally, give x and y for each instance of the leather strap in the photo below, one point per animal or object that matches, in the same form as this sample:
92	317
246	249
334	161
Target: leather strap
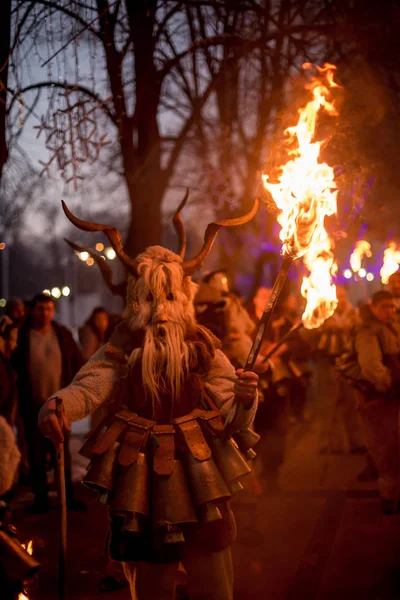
213	420
134	440
164	454
194	438
112	434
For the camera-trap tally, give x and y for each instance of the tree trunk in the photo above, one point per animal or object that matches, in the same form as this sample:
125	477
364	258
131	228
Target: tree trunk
5	25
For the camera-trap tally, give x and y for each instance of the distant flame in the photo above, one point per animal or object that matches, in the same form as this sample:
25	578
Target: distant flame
391	262
361	249
306	194
29	548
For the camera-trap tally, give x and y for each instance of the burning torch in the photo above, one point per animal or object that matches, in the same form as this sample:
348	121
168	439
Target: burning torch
391	262
305	193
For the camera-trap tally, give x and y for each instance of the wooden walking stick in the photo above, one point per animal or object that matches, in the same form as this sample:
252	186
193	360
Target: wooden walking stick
62	507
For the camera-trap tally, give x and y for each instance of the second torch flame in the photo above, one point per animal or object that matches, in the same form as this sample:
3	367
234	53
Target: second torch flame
306	194
361	249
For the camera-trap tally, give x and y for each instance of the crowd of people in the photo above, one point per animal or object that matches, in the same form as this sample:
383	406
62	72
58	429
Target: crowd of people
345	375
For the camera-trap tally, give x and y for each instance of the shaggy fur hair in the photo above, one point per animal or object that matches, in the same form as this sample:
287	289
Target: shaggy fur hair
160	302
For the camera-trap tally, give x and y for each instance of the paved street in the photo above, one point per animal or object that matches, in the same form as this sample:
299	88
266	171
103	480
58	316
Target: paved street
322	537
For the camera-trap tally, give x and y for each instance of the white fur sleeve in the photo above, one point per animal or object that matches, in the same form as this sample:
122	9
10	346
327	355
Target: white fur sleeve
10	456
219	385
92	386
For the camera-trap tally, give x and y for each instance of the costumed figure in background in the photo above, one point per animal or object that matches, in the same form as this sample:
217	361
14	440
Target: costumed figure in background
163	460
378	351
293	368
16	564
340	429
272	416
221	311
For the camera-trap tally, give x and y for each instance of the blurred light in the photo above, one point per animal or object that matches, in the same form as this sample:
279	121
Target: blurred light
65	291
99	247
347	273
83	256
47	292
3	302
90	261
2	245
370	277
362	273
103	257
110	253
56	292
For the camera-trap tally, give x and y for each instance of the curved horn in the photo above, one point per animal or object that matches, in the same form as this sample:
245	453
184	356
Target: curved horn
179	226
111	232
117	289
191	266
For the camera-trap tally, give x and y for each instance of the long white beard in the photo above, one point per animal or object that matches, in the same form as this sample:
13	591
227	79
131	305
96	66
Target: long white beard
165	358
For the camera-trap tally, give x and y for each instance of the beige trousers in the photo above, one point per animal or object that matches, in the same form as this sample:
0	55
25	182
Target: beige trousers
209	577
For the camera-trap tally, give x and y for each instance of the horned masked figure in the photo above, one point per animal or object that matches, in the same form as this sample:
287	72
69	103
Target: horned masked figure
162	459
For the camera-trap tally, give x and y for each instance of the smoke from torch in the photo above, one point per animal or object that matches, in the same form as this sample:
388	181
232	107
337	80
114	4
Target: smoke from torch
391	262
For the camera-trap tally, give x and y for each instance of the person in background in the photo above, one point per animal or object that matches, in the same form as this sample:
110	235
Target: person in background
46	359
16	311
271	420
378	348
92	334
17	567
221	311
294	355
8	379
339	426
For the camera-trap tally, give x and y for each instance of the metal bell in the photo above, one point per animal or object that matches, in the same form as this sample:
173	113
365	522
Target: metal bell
16	562
205	481
131	491
133	523
235	487
210	512
246	440
104	498
229	460
100	474
173	535
171	500
87	448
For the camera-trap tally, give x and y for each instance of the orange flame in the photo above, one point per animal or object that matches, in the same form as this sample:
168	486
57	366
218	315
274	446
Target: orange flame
306	194
391	262
361	249
29	548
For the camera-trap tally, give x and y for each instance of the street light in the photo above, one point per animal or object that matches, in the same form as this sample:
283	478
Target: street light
370	277
83	256
347	273
65	291
99	247
90	261
56	292
362	273
110	253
